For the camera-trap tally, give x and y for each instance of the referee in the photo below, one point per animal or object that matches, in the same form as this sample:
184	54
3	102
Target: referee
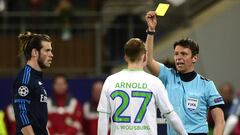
29	95
191	94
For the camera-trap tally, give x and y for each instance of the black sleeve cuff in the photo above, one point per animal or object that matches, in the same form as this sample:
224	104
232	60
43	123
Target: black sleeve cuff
221	106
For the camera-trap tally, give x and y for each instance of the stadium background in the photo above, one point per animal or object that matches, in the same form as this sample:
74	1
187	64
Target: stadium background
88	36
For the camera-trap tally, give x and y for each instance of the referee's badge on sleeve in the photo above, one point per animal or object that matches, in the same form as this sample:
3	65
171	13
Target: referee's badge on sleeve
217	100
23	91
192	104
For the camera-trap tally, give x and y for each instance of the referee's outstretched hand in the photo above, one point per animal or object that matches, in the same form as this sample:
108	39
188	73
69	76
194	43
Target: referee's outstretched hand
151	20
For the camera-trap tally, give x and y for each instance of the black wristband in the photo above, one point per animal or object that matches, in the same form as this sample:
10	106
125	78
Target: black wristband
150	32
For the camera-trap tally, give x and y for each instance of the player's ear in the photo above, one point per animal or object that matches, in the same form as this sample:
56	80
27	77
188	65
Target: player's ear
35	52
125	58
144	57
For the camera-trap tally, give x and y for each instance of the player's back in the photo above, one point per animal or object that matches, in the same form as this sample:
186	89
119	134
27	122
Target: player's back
132	101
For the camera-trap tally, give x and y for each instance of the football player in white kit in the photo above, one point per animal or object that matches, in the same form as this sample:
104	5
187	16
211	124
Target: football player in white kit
131	97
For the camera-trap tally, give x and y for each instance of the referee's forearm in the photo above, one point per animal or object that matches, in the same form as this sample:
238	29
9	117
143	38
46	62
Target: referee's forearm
219	121
149	46
218	129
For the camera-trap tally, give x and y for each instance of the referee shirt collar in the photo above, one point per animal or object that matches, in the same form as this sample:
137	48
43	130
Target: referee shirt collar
187	77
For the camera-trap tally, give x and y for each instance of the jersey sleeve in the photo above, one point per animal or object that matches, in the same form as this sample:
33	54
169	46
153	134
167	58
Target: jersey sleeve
162	99
214	98
104	104
21	104
164	73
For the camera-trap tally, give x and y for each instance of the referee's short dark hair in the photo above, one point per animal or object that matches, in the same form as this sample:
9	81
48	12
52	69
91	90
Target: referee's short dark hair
134	49
29	41
188	43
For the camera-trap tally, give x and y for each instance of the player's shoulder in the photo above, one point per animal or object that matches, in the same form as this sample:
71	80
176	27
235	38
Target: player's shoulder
113	76
153	80
120	74
152	77
23	77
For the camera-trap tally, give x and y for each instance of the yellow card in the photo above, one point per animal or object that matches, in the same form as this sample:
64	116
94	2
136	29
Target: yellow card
162	9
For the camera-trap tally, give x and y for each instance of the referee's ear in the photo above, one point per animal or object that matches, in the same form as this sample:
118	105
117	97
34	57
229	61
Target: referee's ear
194	58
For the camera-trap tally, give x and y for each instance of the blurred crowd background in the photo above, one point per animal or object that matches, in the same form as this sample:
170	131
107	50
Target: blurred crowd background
88	38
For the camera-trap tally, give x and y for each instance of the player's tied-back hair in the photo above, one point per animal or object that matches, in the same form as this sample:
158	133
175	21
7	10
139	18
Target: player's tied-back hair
134	49
29	41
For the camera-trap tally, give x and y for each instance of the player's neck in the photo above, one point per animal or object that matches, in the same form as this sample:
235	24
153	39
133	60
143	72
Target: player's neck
34	64
135	66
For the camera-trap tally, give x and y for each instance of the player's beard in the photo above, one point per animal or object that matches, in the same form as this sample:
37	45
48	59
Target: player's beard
41	63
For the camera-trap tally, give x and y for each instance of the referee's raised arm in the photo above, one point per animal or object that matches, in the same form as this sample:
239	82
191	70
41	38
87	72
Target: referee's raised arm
152	64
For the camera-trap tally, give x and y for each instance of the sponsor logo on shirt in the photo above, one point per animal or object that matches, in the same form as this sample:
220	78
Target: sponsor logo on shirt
43	98
217	100
192	104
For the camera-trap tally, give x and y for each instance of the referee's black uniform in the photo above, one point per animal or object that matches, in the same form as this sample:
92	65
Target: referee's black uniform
30	101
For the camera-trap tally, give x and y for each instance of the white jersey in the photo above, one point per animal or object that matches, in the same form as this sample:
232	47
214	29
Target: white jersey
131	98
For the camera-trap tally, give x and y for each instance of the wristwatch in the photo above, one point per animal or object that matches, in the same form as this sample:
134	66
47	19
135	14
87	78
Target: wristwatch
150	32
